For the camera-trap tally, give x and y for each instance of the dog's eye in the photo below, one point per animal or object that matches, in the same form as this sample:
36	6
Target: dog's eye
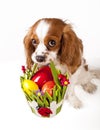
34	42
52	43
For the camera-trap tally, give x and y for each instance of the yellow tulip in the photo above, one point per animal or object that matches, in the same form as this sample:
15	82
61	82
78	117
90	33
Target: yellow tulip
29	86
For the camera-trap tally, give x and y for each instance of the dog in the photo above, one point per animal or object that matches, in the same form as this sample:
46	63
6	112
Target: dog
53	39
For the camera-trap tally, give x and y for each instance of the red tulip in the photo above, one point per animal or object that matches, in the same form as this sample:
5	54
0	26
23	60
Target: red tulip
43	111
42	76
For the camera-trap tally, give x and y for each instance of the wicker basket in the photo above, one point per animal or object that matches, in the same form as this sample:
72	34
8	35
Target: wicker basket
44	104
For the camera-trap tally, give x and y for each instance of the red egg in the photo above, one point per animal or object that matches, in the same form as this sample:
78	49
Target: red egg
42	76
48	87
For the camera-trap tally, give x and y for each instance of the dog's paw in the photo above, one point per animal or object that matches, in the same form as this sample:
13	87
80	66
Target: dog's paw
89	87
75	102
95	73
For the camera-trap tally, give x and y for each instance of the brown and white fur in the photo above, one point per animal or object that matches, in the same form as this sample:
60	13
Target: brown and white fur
53	39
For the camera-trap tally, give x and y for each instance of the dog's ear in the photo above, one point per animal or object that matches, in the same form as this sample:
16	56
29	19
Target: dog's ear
71	49
29	49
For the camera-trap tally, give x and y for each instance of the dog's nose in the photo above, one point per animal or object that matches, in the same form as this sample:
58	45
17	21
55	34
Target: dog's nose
40	58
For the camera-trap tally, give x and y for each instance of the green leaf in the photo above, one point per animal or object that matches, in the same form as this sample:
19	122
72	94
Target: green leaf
34	68
58	109
39	102
67	75
34	97
21	80
59	96
64	91
33	110
46	103
54	73
54	93
48	96
27	96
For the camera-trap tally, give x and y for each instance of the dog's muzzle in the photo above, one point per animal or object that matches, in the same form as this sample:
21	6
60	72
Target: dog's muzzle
40	58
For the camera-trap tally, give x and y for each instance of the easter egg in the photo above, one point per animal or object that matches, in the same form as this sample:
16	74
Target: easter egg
48	87
29	86
42	76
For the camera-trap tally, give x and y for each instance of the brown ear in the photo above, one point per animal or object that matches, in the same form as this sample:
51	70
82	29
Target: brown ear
29	49
71	49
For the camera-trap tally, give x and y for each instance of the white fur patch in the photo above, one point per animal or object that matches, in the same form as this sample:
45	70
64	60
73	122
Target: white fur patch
41	49
42	30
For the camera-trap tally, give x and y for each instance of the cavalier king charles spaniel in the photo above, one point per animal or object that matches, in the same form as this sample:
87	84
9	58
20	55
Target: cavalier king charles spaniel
53	39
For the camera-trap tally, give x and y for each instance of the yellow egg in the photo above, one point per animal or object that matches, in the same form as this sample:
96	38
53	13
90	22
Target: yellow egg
29	86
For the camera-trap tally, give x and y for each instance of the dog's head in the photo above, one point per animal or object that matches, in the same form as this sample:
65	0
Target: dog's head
52	39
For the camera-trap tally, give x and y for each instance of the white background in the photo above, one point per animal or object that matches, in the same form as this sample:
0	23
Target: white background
15	19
